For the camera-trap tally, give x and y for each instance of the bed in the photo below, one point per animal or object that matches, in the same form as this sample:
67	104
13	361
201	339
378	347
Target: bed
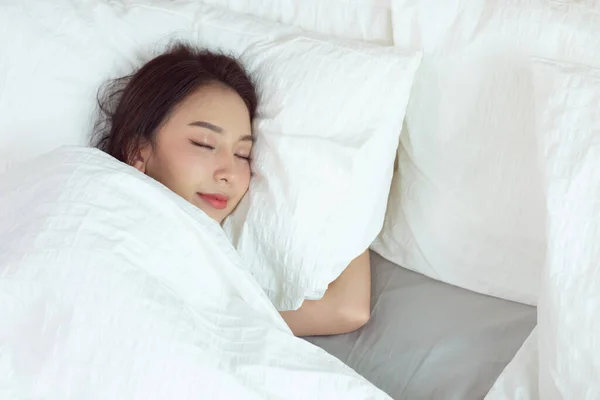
430	340
426	339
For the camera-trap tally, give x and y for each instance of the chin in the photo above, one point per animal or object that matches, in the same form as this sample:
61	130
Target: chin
212	216
221	218
217	217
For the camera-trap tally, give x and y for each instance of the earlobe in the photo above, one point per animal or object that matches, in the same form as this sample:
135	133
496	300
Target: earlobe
139	164
140	159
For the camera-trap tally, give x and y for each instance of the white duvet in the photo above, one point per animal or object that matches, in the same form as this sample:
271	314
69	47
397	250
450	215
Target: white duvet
113	287
561	358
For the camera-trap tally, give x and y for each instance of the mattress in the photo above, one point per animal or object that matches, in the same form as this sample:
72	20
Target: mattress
430	340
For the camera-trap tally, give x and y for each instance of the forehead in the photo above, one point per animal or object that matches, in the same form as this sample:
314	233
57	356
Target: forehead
216	104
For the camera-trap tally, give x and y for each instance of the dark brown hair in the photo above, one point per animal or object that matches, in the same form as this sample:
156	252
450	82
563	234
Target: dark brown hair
133	107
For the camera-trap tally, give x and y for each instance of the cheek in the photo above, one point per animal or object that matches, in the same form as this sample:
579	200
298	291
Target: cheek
180	170
244	177
197	167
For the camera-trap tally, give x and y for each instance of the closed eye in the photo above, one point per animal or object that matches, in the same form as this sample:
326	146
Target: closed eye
247	158
202	145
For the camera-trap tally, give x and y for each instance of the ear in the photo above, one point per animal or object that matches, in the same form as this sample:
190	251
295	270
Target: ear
142	156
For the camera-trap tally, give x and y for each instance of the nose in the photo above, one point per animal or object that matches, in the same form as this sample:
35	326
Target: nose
224	171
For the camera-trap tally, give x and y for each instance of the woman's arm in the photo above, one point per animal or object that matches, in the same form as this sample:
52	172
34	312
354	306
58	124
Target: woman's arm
345	307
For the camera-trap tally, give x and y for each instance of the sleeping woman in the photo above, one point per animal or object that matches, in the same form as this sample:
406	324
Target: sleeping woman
185	120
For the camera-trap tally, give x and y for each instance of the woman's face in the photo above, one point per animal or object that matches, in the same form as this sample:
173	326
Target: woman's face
201	152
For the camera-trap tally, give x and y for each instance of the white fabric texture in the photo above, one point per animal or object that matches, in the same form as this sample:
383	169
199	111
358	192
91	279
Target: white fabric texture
98	300
467	202
60	52
323	160
568	361
570	295
367	20
326	130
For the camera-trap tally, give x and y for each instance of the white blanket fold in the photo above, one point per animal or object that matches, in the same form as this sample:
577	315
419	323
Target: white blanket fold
113	287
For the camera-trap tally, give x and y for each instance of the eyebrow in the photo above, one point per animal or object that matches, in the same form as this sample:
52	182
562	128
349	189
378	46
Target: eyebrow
217	129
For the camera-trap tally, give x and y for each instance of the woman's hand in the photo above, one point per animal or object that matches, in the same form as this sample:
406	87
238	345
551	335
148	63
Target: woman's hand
345	307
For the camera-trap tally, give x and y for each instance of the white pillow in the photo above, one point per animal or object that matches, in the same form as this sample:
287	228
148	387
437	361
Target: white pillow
60	52
368	20
467	203
328	127
330	115
568	97
560	358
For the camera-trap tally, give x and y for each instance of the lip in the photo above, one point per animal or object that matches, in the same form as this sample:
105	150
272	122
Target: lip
218	201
